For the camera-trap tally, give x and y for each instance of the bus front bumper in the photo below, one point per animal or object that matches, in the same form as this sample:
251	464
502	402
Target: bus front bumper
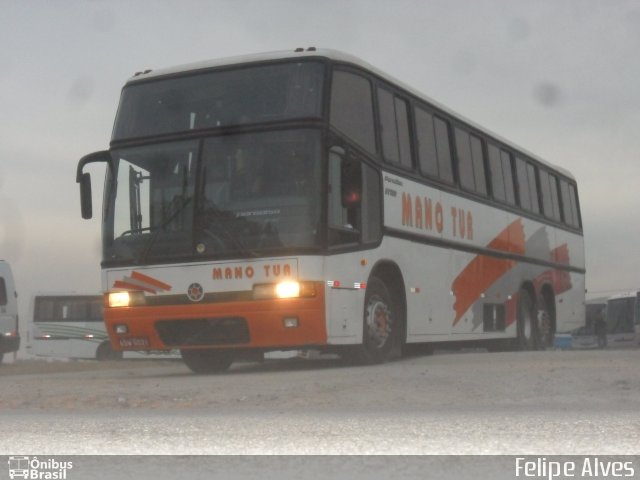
257	324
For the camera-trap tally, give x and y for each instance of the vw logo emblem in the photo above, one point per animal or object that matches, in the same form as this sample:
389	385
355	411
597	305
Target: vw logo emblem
195	292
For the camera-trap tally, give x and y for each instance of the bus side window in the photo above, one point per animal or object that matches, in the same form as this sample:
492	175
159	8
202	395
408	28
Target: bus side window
352	108
354	200
394	128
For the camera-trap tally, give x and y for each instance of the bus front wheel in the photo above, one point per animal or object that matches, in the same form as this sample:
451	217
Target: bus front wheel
105	352
379	325
206	361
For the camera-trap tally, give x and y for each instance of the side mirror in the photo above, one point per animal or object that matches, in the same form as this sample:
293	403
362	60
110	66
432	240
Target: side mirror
84	179
85	196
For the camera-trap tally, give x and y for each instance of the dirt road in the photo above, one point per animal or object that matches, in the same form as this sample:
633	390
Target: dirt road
554	380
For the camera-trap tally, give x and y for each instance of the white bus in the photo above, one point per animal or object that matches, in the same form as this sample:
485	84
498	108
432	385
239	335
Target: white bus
9	320
70	326
304	199
623	319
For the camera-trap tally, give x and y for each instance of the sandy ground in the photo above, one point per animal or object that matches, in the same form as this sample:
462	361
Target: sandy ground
555	380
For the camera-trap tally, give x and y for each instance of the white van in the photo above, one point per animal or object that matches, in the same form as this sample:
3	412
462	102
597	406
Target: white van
9	332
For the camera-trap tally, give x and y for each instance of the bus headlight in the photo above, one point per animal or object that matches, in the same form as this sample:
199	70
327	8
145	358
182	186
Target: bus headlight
287	289
124	299
284	289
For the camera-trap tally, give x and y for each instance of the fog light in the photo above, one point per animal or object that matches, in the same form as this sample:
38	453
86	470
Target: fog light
121	329
290	322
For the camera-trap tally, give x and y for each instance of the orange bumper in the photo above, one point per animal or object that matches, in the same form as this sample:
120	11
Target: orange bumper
263	319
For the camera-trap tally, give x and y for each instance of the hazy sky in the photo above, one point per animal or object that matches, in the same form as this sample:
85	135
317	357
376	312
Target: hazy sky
560	78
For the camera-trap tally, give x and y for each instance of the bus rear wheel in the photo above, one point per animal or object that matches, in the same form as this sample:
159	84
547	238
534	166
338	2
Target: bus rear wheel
526	322
206	361
379	326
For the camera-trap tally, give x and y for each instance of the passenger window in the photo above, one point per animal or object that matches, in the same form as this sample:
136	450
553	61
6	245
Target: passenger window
555	203
549	190
352	108
477	156
426	143
404	140
470	162
465	167
394	126
533	188
527	187
507	170
569	204
547	207
574	206
495	173
443	150
523	184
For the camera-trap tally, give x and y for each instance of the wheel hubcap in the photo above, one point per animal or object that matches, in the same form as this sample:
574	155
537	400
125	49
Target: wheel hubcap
378	322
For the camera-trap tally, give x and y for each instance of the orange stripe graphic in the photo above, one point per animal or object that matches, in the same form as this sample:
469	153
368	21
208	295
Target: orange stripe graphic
150	280
133	286
483	270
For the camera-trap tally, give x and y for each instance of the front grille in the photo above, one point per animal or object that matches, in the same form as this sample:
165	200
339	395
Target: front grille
211	297
203	331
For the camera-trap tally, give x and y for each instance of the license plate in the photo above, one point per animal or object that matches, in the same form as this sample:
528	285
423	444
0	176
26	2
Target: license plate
134	342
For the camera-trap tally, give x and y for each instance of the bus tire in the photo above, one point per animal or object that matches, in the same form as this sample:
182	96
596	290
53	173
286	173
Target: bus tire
208	360
105	352
379	326
526	322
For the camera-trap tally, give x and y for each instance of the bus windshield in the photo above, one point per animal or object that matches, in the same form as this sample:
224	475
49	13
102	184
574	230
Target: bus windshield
220	98
222	196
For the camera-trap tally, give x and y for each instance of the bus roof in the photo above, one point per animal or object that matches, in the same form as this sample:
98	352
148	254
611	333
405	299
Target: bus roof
597	301
341	57
628	294
66	294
